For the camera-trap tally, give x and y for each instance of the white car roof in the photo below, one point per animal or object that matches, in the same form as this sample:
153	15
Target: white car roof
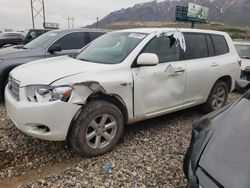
151	30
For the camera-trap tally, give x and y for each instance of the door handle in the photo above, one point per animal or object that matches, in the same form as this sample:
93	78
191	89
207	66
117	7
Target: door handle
179	70
172	71
214	64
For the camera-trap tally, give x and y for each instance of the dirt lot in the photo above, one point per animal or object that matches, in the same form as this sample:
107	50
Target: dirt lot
150	155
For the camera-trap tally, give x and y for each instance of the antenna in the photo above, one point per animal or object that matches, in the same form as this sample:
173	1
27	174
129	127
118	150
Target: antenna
37	11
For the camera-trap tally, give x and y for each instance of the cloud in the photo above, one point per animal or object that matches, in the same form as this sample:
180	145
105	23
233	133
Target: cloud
16	14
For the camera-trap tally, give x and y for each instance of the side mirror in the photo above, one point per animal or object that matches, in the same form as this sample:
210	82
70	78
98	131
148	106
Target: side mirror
148	59
242	86
54	48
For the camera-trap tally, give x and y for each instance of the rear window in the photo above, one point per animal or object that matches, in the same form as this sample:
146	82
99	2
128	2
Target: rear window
220	44
196	46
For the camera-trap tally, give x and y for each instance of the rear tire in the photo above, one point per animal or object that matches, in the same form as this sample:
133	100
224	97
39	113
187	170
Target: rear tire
97	129
217	97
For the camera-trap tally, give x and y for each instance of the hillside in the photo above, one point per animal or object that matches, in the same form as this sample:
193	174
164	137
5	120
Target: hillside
224	11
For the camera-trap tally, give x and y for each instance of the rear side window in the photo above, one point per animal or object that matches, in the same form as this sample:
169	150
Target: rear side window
196	46
72	41
220	44
165	48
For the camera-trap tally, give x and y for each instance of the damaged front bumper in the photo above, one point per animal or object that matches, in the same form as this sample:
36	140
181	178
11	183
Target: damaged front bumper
47	120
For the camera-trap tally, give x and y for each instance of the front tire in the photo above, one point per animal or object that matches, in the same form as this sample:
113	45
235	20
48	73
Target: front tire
97	129
217	97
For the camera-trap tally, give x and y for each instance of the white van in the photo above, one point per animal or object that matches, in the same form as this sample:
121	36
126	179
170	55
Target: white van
121	78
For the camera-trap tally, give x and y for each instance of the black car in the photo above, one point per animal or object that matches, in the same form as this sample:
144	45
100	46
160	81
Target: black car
31	34
50	44
12	38
219	152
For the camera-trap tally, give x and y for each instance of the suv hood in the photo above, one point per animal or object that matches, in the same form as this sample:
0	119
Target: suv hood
15	52
46	71
226	156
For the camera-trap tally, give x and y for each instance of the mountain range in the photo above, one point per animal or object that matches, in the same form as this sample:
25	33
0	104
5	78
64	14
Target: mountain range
224	11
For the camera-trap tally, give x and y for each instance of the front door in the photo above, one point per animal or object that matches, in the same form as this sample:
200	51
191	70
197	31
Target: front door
160	89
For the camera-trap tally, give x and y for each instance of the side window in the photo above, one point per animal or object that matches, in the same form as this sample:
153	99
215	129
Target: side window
220	44
71	41
196	46
94	35
167	49
210	46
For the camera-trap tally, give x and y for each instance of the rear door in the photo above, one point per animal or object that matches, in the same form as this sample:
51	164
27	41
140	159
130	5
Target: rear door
202	68
159	89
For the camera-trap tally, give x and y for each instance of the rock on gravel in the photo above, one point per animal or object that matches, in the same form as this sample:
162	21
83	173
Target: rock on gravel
150	155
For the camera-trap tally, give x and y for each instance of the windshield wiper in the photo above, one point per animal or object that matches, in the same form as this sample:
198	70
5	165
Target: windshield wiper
84	60
20	47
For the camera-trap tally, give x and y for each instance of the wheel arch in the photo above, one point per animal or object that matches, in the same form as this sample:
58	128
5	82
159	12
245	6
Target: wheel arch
111	98
228	80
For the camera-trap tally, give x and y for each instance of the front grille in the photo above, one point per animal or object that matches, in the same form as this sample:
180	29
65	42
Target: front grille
13	87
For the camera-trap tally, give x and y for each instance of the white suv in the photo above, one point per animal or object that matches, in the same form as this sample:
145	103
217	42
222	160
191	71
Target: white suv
121	78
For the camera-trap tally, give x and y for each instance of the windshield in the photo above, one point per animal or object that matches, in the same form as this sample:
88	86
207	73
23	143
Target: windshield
111	48
243	50
41	40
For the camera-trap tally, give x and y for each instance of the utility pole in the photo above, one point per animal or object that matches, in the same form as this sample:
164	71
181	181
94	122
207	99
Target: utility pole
37	9
72	19
70	22
97	22
246	37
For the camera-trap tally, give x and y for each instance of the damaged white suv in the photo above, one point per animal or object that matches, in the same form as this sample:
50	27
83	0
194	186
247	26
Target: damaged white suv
121	78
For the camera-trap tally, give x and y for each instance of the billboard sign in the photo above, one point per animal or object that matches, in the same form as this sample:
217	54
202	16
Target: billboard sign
197	12
49	25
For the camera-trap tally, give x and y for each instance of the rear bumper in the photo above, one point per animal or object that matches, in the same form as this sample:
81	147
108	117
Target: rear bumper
30	117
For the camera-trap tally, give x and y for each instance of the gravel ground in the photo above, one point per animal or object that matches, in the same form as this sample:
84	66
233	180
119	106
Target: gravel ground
150	155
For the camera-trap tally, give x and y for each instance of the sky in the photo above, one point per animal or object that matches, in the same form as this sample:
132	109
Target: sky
16	14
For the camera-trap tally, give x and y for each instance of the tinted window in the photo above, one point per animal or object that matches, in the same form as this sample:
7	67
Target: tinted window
196	46
220	44
167	49
210	46
71	41
94	35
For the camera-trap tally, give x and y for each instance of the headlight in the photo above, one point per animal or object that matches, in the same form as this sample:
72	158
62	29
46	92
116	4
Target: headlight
1	60
48	93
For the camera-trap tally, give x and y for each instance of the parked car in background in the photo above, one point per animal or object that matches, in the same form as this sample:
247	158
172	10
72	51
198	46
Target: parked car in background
243	49
13	38
31	34
51	44
218	155
121	78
